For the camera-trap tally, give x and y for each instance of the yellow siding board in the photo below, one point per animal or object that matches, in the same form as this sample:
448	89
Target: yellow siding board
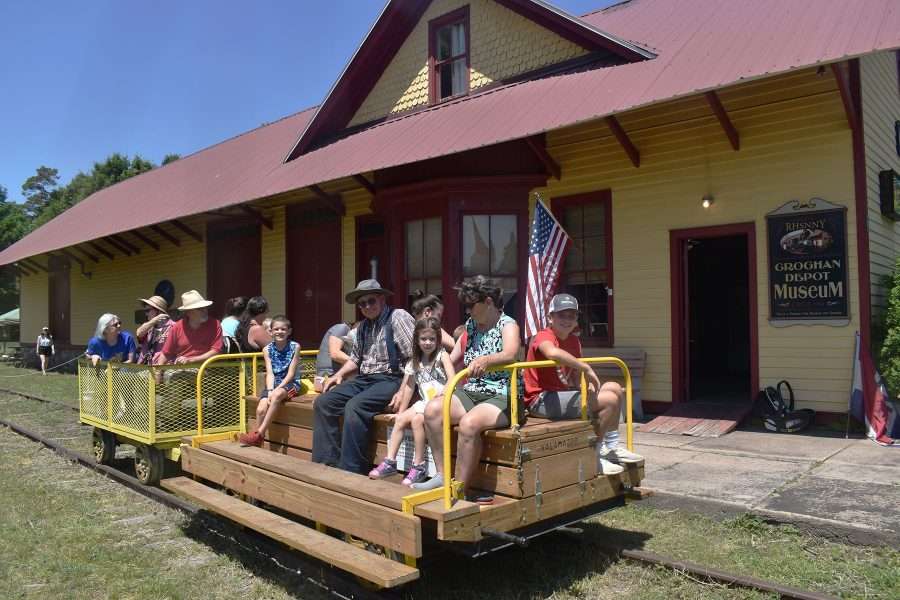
502	44
794	146
116	285
357	203
33	309
881	108
272	267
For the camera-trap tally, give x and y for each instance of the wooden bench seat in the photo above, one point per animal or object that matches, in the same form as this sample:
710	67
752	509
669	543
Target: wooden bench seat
373	567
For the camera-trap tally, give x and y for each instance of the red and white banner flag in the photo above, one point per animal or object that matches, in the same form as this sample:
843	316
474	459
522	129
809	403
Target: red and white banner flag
870	402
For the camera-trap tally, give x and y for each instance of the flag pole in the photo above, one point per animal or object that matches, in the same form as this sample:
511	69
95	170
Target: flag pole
856	361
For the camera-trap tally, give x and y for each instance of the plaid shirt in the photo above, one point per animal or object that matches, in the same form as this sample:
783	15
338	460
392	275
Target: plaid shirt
371	354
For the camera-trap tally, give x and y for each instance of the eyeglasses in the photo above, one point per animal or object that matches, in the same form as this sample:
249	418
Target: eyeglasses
367	303
116	324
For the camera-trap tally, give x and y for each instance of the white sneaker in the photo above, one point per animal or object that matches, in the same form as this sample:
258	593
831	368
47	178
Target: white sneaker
621	455
604	467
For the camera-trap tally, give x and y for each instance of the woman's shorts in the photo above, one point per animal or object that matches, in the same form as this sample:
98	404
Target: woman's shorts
557	406
470	400
292	389
45	351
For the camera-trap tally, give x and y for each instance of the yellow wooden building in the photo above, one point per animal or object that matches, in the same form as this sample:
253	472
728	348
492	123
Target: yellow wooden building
665	149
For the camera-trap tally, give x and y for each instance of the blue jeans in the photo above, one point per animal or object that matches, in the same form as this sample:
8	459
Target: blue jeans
358	401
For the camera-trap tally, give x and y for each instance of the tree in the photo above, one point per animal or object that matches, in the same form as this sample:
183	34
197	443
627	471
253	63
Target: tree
13	225
38	188
170	158
889	331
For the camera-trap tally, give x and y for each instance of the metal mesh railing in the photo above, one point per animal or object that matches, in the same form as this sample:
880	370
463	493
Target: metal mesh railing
159	403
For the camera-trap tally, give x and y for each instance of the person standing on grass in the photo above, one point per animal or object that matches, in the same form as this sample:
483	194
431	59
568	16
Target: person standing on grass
491	338
110	342
383	344
555	393
45	348
282	357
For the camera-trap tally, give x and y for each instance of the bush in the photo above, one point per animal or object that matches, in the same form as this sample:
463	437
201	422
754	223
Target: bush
887	331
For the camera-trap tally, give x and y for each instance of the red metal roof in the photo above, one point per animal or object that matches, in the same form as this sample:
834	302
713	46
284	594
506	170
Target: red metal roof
702	45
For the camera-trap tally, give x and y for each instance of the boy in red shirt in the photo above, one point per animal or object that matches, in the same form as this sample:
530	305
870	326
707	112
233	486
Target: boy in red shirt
554	393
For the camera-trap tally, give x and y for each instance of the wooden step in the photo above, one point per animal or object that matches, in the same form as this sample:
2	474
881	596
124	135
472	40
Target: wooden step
372	522
372	567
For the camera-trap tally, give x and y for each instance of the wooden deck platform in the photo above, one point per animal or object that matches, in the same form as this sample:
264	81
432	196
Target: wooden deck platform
542	471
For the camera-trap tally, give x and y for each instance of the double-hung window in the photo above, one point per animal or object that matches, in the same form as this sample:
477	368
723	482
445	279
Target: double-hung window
449	55
587	272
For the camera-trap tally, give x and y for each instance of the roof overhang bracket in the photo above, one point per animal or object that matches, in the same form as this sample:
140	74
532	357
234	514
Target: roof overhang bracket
86	254
630	149
842	76
35	265
332	201
24	270
258	216
166	235
123	244
538	145
145	239
102	250
363	181
187	230
719	110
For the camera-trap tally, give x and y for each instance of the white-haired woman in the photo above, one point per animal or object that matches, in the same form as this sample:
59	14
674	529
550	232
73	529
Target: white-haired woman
110	342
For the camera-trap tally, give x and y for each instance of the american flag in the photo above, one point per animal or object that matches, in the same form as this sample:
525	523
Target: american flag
549	244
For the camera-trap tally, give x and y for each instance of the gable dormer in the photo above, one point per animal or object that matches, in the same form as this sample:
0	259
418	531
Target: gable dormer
422	53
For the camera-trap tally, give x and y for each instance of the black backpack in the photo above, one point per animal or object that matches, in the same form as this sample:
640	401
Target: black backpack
778	414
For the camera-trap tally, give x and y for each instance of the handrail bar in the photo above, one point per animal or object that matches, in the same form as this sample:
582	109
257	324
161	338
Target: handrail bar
513	400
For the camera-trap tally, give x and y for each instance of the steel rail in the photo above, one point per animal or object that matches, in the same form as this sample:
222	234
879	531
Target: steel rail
328	578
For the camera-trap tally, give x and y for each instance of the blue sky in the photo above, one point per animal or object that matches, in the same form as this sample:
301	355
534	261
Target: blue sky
81	80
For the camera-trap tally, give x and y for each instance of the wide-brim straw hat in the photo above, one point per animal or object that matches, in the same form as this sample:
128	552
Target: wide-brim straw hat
157	302
192	300
366	286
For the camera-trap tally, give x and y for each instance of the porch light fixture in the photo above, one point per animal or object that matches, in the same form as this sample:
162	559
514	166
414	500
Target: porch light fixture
707	201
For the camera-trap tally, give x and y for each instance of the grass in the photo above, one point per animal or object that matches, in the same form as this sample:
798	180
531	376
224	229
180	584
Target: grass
86	531
59	387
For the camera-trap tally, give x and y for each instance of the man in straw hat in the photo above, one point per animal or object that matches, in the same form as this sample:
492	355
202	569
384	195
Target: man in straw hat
153	332
195	337
383	345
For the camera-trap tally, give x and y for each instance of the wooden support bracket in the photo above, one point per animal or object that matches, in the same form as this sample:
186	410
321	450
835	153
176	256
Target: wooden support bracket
118	245
258	216
719	110
71	257
538	145
86	254
102	250
165	234
35	265
623	139
334	202
145	239
843	83
23	269
187	230
361	180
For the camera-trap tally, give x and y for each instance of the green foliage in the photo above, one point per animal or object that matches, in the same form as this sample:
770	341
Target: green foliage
889	352
170	158
38	190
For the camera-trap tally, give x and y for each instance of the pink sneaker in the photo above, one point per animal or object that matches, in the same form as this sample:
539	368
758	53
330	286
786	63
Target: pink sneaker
417	474
387	468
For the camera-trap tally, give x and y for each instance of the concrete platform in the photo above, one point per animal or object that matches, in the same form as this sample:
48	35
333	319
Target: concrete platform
847	489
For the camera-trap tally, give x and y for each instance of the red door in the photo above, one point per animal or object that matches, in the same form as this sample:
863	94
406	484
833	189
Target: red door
313	272
59	294
233	256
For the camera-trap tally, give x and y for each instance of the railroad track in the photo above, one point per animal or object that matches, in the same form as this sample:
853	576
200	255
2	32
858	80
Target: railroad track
334	581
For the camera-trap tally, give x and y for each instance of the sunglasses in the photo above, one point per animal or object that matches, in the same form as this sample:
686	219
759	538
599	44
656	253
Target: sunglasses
470	305
367	303
116	324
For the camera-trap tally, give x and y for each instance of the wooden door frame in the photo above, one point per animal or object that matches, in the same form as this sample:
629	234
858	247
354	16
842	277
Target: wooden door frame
680	356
